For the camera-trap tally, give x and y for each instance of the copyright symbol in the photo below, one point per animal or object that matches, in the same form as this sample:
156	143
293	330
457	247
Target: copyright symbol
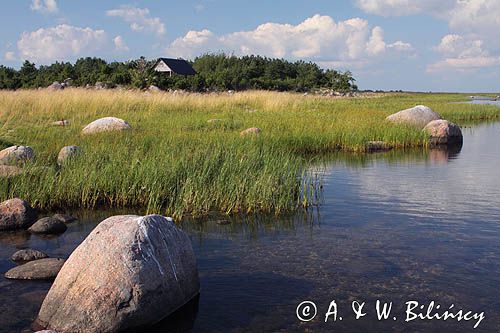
306	311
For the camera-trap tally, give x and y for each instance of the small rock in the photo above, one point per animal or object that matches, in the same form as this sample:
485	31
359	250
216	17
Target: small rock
56	86
153	88
251	131
62	122
16	154
28	255
41	269
9	171
212	121
16	214
67	153
99	85
65	218
443	132
46	331
48	225
419	116
373	146
105	125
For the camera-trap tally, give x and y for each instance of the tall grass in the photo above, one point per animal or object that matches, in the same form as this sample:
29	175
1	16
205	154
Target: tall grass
174	162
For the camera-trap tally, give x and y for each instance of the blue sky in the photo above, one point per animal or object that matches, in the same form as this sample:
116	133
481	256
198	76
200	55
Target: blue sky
425	45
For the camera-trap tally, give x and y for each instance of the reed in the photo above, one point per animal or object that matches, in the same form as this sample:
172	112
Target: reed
174	162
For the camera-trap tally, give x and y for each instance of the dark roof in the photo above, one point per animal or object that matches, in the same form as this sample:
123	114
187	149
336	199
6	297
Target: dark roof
178	66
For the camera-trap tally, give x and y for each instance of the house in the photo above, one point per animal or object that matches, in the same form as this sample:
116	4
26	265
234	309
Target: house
174	66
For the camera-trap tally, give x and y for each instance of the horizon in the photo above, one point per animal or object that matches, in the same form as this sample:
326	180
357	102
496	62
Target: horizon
439	46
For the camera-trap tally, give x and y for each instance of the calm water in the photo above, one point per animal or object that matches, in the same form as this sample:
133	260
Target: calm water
396	227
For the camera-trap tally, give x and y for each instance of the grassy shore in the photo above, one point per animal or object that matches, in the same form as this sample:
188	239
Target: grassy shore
174	162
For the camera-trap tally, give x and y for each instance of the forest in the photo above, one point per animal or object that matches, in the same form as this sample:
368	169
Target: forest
215	72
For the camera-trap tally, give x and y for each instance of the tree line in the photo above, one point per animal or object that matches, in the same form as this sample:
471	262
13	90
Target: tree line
215	72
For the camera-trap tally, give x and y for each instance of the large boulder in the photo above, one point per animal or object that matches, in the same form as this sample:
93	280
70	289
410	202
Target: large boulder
42	269
105	125
16	154
56	86
28	255
418	116
130	272
67	153
443	132
16	214
48	225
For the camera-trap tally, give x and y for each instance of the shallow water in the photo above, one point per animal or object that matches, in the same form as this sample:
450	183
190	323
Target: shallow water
397	226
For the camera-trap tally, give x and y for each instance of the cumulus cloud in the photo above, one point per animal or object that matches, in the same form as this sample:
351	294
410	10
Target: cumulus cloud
9	56
120	44
59	43
317	38
139	19
44	6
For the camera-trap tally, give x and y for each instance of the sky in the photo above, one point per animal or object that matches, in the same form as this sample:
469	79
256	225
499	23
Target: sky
413	45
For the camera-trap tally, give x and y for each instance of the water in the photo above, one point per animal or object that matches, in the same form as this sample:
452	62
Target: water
396	226
481	100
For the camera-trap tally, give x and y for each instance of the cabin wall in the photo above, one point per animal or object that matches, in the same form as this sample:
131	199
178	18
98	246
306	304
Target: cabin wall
162	67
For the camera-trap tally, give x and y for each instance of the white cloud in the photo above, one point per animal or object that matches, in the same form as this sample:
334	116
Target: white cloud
120	44
317	38
9	56
139	19
60	43
44	6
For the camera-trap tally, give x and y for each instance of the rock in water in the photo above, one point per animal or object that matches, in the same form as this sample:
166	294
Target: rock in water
48	225
16	214
443	132
130	272
16	154
66	153
42	269
105	125
28	255
65	218
250	131
419	116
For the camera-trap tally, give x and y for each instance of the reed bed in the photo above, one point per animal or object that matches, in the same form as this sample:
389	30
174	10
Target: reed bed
175	162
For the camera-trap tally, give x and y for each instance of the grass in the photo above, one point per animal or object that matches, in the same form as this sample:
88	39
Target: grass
174	162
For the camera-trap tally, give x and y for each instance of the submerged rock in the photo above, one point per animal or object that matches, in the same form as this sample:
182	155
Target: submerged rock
251	131
42	269
67	153
130	272
9	171
419	116
16	214
65	218
105	125
28	255
48	225
16	154
443	132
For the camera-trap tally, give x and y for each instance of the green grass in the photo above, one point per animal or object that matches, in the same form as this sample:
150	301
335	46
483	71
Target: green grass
174	162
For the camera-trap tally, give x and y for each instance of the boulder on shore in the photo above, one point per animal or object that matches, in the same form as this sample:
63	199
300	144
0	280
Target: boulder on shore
16	214
106	124
67	153
41	269
48	225
130	272
56	86
443	132
418	116
16	154
28	255
251	131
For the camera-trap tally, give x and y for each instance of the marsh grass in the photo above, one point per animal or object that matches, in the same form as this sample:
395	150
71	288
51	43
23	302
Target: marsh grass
175	162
